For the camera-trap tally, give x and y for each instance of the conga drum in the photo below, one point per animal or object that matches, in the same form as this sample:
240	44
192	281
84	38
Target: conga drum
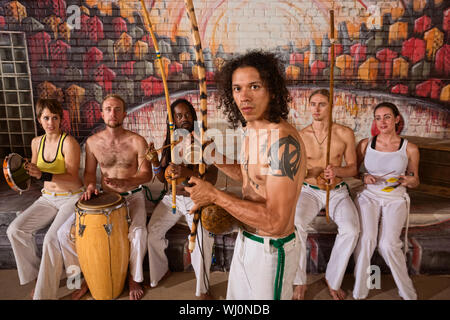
217	220
15	174
102	243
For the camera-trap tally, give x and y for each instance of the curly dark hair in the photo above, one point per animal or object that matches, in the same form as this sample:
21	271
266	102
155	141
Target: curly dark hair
271	71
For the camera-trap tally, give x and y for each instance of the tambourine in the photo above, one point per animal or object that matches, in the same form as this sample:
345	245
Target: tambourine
15	174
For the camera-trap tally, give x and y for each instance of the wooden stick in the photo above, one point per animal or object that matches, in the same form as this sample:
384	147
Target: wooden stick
330	112
149	154
166	92
203	105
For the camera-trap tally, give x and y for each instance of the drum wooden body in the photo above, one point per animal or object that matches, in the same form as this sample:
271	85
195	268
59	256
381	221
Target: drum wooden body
15	174
102	244
216	220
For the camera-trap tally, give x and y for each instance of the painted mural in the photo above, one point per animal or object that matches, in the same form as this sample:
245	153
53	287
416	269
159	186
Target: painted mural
81	50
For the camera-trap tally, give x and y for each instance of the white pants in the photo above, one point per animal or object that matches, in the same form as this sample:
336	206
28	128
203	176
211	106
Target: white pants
21	233
161	221
393	216
137	235
343	212
254	266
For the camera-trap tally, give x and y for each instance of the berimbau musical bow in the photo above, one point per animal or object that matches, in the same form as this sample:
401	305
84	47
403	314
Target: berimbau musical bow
166	92
203	105
330	110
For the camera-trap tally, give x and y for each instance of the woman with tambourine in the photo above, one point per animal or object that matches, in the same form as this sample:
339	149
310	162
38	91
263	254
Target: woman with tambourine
55	161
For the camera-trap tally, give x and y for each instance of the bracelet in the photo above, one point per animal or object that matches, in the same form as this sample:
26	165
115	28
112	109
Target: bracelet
46	176
157	169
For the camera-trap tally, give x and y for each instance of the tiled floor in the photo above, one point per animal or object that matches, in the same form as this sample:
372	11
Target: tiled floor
181	286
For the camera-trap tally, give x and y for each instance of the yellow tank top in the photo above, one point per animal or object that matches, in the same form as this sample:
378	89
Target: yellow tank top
57	165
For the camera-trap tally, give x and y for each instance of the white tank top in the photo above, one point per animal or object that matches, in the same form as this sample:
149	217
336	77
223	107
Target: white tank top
388	166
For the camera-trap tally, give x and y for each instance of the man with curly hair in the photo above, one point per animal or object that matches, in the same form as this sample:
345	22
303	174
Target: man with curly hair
253	94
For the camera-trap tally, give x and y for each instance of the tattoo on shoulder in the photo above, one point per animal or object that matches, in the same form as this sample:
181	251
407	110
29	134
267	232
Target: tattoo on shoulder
289	163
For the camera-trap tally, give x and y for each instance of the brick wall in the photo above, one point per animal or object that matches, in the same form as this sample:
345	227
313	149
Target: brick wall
81	50
353	109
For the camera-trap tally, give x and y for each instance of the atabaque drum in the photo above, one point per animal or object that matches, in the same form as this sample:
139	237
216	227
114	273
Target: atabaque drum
15	174
102	243
217	220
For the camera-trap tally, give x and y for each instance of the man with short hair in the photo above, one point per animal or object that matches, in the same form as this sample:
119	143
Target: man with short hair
121	156
313	197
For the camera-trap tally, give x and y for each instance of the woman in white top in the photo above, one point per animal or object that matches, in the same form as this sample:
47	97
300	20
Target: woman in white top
392	165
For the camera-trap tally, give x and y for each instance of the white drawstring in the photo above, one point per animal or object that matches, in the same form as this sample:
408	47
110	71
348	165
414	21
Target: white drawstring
405	249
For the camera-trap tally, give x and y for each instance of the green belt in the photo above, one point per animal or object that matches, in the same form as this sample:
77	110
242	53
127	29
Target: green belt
148	194
340	185
278	244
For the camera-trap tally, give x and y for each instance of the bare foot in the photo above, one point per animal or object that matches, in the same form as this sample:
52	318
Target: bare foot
338	294
206	296
299	292
32	293
79	293
136	289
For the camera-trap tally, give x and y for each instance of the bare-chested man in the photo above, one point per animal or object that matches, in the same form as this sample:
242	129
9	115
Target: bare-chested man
121	156
313	197
253	93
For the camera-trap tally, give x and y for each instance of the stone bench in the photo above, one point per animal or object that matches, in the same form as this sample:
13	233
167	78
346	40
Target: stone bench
12	204
429	233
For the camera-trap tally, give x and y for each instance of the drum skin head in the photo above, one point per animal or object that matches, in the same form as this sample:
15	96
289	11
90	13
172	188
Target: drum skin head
15	174
101	201
15	162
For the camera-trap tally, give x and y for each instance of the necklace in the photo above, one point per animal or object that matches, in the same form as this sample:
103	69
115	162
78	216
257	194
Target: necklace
320	143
